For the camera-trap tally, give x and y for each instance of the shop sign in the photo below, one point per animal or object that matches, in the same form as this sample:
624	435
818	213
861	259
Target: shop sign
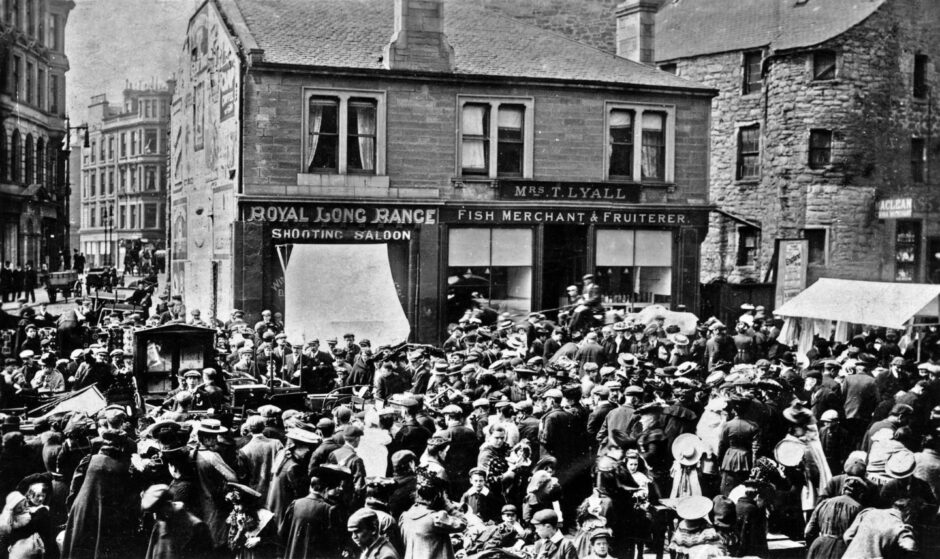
792	260
582	216
359	235
894	208
554	190
333	214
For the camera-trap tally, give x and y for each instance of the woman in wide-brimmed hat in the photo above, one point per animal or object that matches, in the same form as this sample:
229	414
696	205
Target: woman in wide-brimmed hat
694	532
687	451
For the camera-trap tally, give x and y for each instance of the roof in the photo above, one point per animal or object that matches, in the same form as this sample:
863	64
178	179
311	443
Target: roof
890	305
688	28
353	34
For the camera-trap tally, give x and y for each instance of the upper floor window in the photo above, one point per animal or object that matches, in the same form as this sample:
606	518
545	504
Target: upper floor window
150	141
820	148
748	152
41	89
496	137
40	161
752	72
818	241
344	132
16	158
17	76
30	160
824	65
640	142
30	21
111	148
134	142
920	75
123	144
748	245
918	160
54	27
30	71
94	150
54	94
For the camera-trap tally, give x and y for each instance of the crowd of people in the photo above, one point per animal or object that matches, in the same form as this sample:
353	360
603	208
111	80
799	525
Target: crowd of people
511	439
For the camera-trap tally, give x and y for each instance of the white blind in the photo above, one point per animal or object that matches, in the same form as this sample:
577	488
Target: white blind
510	117
512	247
652	121
615	247
469	247
472	122
621	118
653	248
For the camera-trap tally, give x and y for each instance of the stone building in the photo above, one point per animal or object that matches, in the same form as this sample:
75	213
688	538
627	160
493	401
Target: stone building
418	154
34	222
123	185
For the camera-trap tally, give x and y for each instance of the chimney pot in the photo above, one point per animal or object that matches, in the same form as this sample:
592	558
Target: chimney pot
419	42
636	30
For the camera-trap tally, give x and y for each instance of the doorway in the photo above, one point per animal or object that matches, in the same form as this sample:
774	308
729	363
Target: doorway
564	262
933	259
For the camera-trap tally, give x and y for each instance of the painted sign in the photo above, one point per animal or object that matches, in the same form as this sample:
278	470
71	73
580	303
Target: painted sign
792	260
582	216
894	208
515	189
356	235
322	214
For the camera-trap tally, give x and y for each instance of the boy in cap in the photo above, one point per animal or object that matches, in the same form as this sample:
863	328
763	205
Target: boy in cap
551	544
363	526
600	544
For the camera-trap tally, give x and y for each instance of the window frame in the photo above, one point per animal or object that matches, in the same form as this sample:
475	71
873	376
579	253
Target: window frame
344	96
494	102
918	176
747	83
740	153
814	65
669	112
919	83
810	149
825	232
741	257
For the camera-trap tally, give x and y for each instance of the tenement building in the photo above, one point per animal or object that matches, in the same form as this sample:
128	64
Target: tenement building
124	178
380	167
34	211
825	128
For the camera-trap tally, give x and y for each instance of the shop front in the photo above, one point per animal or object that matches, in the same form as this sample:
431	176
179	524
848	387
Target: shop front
913	235
372	267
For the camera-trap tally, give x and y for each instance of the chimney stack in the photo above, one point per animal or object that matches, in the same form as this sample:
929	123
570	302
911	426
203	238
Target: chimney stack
636	30
419	42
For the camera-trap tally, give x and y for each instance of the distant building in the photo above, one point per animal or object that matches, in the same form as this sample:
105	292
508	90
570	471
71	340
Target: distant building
454	153
123	182
34	213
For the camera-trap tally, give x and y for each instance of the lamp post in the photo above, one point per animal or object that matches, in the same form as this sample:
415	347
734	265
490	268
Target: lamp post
66	150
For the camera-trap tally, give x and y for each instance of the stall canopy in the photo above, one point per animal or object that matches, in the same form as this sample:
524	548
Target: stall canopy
890	305
332	289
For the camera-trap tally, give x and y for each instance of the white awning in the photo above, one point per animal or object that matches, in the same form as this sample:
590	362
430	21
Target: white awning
333	289
890	305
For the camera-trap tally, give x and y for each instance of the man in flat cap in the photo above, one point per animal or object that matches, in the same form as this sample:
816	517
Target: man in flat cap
363	526
347	457
590	304
551	544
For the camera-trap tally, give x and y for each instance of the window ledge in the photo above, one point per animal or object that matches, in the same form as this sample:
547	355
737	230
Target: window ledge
463	182
347	181
747	182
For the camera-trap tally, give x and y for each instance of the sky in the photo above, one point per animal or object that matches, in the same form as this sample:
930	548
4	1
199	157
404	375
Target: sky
109	42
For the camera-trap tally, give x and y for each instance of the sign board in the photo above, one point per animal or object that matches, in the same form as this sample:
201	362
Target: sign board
895	208
522	189
792	260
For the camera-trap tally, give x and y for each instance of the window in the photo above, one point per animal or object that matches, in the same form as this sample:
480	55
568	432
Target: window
620	156
16	158
111	148
654	146
824	65
133	173
640	141
133	218
94	150
146	108
30	22
122	217
134	142
820	148
749	152
150	178
150	216
634	265
17	76
41	161
670	67
818	240
748	246
30	157
30	70
752	72
92	216
360	144
41	89
123	144
54	94
110	182
494	265
10	12
101	150
920	75
54	27
918	160
93	185
907	250
344	133
150	141
496	137
3	155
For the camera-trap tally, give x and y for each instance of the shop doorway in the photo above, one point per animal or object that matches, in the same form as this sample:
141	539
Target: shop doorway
564	262
933	260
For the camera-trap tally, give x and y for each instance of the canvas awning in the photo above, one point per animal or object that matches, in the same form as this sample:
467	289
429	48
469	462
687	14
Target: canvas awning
332	289
890	305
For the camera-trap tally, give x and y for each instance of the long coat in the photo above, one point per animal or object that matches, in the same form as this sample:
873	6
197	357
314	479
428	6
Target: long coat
290	480
255	462
212	473
827	524
311	527
181	536
427	532
103	517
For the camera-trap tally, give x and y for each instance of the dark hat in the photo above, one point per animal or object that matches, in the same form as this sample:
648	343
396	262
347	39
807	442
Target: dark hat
245	493
509	509
724	512
902	409
362	517
332	474
352	431
545	516
652	407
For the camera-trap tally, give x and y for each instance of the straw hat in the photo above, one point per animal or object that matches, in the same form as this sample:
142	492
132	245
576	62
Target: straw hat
900	465
693	508
687	449
789	452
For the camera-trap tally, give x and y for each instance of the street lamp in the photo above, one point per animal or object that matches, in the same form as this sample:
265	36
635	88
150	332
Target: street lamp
66	150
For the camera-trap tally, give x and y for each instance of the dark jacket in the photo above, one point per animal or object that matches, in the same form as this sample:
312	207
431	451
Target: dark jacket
311	527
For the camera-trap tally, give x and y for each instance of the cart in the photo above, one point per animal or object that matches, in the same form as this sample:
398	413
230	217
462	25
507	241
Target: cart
60	282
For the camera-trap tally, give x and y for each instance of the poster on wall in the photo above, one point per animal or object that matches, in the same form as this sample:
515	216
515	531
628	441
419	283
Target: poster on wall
792	260
198	113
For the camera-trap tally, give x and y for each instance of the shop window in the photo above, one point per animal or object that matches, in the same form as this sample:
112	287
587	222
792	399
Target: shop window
748	152
918	160
753	80
820	148
824	65
634	266
344	133
496	138
818	241
640	143
907	250
748	246
920	76
490	268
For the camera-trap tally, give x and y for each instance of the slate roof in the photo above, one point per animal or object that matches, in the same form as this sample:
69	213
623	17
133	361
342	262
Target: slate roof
353	34
689	28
